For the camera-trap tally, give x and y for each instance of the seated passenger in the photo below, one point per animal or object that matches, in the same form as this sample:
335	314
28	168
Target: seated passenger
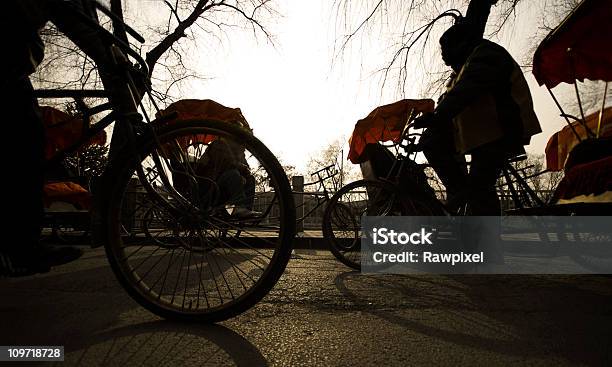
224	163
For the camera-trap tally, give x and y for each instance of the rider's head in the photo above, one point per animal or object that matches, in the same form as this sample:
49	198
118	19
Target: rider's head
457	43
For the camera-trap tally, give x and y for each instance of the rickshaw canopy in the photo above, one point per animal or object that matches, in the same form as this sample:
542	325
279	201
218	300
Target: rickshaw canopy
63	130
203	109
68	192
384	123
562	142
579	48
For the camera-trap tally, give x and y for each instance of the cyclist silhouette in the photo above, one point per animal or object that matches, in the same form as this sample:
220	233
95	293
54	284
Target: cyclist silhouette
487	112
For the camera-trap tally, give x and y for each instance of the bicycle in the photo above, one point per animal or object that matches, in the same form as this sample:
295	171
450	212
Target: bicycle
403	191
318	189
406	191
161	219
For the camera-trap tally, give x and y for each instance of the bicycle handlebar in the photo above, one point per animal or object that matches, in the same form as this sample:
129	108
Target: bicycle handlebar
409	123
323	169
116	18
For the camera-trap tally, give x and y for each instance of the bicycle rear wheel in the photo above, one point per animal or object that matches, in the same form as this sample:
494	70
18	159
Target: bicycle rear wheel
166	228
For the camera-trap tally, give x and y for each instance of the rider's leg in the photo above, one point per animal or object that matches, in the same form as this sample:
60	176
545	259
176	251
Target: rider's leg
439	149
233	192
486	165
26	166
25	187
249	191
231	185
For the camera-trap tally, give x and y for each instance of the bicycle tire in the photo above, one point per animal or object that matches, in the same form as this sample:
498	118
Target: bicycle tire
388	200
112	233
350	255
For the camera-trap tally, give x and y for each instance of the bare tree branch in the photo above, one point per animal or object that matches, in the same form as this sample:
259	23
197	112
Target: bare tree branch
188	22
178	33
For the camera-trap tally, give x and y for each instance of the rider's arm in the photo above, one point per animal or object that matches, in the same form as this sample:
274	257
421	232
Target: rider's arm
478	13
487	69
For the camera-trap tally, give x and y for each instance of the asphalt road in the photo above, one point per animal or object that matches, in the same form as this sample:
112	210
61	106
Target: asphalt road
320	313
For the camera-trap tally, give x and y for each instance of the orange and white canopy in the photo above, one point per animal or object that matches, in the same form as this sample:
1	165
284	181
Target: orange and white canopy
562	142
385	123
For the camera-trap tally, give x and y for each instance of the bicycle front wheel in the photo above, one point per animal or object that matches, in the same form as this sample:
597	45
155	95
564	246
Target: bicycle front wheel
199	221
342	216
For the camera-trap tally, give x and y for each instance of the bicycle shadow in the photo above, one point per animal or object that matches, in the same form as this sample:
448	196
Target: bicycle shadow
165	343
89	313
495	314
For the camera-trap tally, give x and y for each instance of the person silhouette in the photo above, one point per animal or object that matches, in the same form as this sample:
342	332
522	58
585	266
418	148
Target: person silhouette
486	112
21	22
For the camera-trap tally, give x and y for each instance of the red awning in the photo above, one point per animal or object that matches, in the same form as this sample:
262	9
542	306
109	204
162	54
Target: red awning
63	130
385	123
562	142
203	109
579	48
68	192
592	178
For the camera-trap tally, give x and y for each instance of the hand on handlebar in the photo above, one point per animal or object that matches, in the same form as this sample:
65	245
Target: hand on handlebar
424	121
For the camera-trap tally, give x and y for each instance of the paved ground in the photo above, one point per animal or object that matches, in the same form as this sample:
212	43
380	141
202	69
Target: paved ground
322	314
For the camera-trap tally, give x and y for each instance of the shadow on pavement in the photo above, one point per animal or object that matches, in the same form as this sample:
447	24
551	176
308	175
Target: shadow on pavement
165	343
89	313
521	316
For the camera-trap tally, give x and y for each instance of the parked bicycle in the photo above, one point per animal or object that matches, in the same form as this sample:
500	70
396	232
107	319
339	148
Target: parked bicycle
324	183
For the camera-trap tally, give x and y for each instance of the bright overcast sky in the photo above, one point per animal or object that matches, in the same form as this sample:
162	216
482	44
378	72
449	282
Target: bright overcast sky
293	98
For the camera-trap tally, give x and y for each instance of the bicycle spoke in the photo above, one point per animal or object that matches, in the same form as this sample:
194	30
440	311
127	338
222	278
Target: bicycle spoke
250	247
189	204
236	251
242	229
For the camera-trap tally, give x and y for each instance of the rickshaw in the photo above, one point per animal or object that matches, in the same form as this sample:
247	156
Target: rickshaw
67	191
162	223
579	49
396	184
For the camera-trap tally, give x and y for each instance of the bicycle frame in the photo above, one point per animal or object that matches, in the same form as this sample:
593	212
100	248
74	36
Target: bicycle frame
322	175
510	174
119	51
